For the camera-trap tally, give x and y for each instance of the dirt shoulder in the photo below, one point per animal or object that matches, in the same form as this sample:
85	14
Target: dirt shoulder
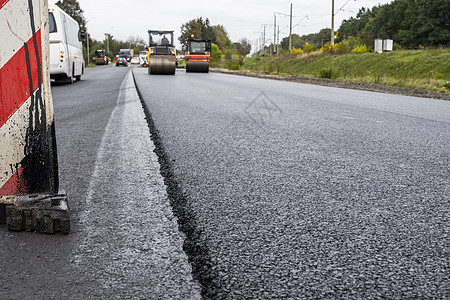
341	84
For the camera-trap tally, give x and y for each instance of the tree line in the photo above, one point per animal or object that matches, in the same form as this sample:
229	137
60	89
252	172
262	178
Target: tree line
410	23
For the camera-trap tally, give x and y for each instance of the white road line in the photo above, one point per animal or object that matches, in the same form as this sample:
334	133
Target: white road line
127	225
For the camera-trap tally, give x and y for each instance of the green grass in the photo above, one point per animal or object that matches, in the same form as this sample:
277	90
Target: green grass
417	69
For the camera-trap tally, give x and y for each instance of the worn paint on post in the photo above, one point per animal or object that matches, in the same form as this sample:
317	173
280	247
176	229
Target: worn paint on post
29	198
27	154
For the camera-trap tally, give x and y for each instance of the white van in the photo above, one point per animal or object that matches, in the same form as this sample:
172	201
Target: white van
66	49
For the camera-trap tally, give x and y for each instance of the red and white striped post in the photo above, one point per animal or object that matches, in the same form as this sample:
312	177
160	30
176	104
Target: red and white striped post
29	198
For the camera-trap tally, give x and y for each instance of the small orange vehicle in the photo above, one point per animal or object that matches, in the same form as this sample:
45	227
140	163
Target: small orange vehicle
197	56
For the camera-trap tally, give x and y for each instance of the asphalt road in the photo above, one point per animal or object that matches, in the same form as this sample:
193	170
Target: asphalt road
269	190
292	191
125	242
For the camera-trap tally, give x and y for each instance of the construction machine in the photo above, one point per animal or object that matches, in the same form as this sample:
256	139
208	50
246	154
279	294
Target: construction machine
100	57
162	54
197	56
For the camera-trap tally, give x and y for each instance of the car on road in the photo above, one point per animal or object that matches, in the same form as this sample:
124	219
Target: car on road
135	60
121	61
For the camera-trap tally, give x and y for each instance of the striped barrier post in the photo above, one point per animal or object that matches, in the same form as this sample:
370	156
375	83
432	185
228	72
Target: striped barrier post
29	196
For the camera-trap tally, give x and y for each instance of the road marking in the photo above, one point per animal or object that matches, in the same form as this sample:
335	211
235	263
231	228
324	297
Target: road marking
130	235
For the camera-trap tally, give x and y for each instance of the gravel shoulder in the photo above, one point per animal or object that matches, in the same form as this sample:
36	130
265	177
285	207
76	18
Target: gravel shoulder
340	84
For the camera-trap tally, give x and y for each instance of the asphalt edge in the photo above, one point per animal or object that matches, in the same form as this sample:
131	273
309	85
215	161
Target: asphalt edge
196	249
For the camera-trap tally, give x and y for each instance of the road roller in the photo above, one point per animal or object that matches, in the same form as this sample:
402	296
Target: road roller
162	54
197	56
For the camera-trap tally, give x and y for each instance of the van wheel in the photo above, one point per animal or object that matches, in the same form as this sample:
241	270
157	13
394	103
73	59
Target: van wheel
70	78
78	78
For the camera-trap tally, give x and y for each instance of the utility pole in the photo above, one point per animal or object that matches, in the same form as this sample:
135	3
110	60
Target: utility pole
87	36
290	30
264	39
332	24
278	36
264	36
259	40
107	35
278	41
274	33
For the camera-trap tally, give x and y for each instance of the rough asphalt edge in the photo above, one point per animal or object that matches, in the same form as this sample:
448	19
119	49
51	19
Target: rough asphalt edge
365	86
197	252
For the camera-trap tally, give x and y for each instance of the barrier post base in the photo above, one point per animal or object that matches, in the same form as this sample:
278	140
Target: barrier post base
43	213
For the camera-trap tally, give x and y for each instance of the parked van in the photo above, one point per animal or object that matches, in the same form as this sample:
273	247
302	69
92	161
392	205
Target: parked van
66	49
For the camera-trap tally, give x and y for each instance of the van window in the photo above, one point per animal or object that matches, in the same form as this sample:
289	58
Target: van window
51	22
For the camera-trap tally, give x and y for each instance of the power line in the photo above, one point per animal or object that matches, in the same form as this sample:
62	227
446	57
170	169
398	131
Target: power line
341	9
305	17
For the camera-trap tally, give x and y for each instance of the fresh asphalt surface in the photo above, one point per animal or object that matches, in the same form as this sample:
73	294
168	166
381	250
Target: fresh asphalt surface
294	191
282	190
125	242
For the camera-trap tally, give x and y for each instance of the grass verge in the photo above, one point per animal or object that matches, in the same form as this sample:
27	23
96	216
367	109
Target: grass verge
416	69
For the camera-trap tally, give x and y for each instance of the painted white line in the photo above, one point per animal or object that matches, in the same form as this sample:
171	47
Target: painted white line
130	235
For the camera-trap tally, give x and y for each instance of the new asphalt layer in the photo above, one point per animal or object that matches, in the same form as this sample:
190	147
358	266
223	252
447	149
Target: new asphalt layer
292	191
125	242
233	187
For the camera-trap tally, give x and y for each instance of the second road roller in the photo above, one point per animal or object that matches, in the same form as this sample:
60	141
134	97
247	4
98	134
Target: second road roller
162	54
197	56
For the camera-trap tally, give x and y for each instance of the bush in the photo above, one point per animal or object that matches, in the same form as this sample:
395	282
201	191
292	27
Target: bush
341	48
240	60
228	53
328	73
396	47
216	55
232	65
360	49
326	47
308	48
296	51
447	85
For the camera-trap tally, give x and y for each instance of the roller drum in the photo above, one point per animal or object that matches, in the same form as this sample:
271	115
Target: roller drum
197	66
162	65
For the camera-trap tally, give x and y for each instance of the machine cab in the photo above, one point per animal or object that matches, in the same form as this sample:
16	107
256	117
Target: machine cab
161	42
198	46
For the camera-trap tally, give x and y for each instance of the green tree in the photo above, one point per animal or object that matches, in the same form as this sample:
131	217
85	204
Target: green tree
243	47
297	42
221	35
73	9
199	28
409	22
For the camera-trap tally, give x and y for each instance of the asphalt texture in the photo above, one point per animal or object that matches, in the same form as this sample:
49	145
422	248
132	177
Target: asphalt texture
125	242
292	191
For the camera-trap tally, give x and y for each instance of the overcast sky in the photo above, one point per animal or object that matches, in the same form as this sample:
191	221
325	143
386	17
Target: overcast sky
240	18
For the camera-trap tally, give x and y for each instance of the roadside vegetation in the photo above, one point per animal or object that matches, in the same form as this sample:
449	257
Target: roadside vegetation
420	60
418	69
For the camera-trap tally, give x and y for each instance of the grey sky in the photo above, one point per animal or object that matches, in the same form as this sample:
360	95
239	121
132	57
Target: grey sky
240	18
